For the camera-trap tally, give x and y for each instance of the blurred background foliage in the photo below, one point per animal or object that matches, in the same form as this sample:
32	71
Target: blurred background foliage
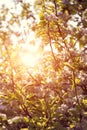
54	95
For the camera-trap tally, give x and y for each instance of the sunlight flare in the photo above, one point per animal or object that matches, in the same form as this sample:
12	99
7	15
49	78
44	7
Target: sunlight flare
30	55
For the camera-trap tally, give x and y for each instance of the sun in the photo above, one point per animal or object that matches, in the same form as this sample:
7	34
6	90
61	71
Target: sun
30	55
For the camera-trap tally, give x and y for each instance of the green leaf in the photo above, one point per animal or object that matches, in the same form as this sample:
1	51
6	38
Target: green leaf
68	65
77	80
84	101
72	126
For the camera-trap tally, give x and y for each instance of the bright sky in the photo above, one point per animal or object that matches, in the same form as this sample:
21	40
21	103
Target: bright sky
28	58
10	3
